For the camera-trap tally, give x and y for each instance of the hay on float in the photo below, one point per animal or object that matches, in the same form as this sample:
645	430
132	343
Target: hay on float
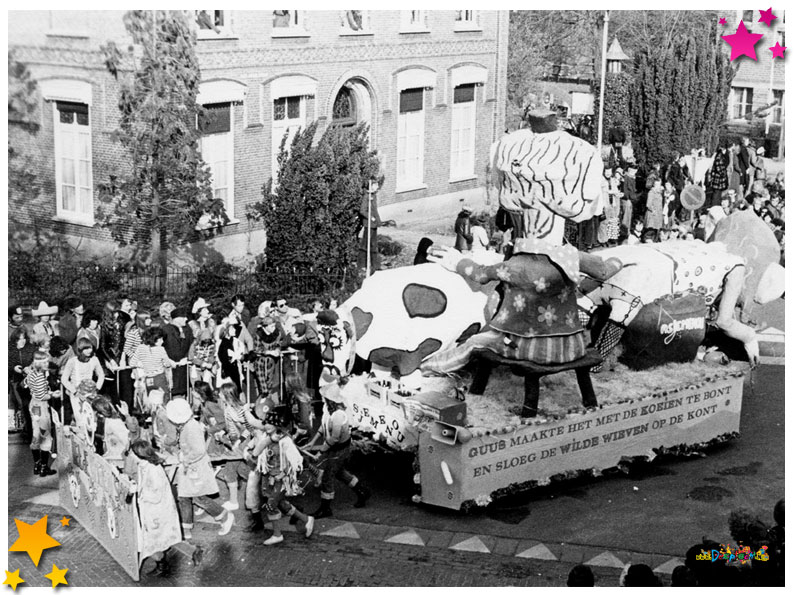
471	452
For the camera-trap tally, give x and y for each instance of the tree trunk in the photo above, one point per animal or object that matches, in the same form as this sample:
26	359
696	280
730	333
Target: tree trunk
159	257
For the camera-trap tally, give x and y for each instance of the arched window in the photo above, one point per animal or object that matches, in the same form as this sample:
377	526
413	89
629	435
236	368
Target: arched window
344	112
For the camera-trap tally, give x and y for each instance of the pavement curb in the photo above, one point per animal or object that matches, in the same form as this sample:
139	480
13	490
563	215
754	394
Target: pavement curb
416	537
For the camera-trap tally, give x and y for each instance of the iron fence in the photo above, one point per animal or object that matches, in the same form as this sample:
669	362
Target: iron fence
30	282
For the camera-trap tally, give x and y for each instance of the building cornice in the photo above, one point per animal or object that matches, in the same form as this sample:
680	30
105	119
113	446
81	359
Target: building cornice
213	58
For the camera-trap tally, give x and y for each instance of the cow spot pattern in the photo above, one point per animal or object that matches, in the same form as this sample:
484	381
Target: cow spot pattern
422	301
405	361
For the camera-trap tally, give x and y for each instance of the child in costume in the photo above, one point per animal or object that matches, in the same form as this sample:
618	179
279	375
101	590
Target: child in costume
159	521
279	462
335	451
84	418
41	445
203	357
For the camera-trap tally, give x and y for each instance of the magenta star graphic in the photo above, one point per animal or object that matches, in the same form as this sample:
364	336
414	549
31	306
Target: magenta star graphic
723	21
767	17
777	50
742	42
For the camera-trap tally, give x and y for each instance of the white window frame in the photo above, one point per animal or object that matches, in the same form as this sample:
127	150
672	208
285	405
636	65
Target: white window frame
80	217
281	127
295	28
413	180
227	139
224	31
743	102
460	170
468	24
414	21
366	27
779	110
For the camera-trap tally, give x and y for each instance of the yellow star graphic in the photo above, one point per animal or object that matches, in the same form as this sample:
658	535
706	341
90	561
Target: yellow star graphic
65	521
33	539
13	579
57	576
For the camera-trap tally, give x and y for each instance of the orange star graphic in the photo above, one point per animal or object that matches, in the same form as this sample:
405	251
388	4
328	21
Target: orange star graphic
57	576
33	539
65	521
13	579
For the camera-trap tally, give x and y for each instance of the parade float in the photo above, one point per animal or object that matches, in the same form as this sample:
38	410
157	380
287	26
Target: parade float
664	395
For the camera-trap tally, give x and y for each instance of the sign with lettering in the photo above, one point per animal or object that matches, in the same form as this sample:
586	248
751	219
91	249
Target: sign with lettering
453	474
375	410
95	493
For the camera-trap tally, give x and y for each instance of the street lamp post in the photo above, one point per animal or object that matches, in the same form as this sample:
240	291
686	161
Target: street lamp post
603	81
369	228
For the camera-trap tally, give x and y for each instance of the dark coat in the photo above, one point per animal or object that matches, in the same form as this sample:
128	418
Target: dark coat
463	237
67	328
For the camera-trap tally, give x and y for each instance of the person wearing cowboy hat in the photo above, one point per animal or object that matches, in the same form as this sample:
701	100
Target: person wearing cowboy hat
45	327
335	449
201	318
279	462
195	479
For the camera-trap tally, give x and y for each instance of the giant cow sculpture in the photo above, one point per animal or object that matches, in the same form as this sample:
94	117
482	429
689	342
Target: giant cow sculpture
412	315
727	273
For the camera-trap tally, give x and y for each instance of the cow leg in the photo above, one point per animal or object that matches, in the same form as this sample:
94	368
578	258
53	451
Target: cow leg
531	395
481	377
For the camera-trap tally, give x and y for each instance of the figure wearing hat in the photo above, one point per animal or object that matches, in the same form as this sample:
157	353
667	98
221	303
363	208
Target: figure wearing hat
269	338
335	449
203	356
463	236
279	463
195	479
201	319
45	327
177	342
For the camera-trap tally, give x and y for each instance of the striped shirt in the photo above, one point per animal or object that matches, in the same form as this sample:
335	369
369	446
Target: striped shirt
152	360
132	341
38	385
236	421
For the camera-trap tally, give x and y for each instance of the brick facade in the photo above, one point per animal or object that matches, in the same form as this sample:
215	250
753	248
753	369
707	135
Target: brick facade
756	74
251	54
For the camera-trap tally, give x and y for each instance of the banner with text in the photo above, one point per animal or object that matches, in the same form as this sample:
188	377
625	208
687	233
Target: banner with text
95	493
592	440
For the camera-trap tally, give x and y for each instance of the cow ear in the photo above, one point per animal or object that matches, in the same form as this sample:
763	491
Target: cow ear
348	330
772	284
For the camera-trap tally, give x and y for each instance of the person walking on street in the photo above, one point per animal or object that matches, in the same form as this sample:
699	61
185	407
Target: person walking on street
195	479
463	237
335	451
279	462
158	520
